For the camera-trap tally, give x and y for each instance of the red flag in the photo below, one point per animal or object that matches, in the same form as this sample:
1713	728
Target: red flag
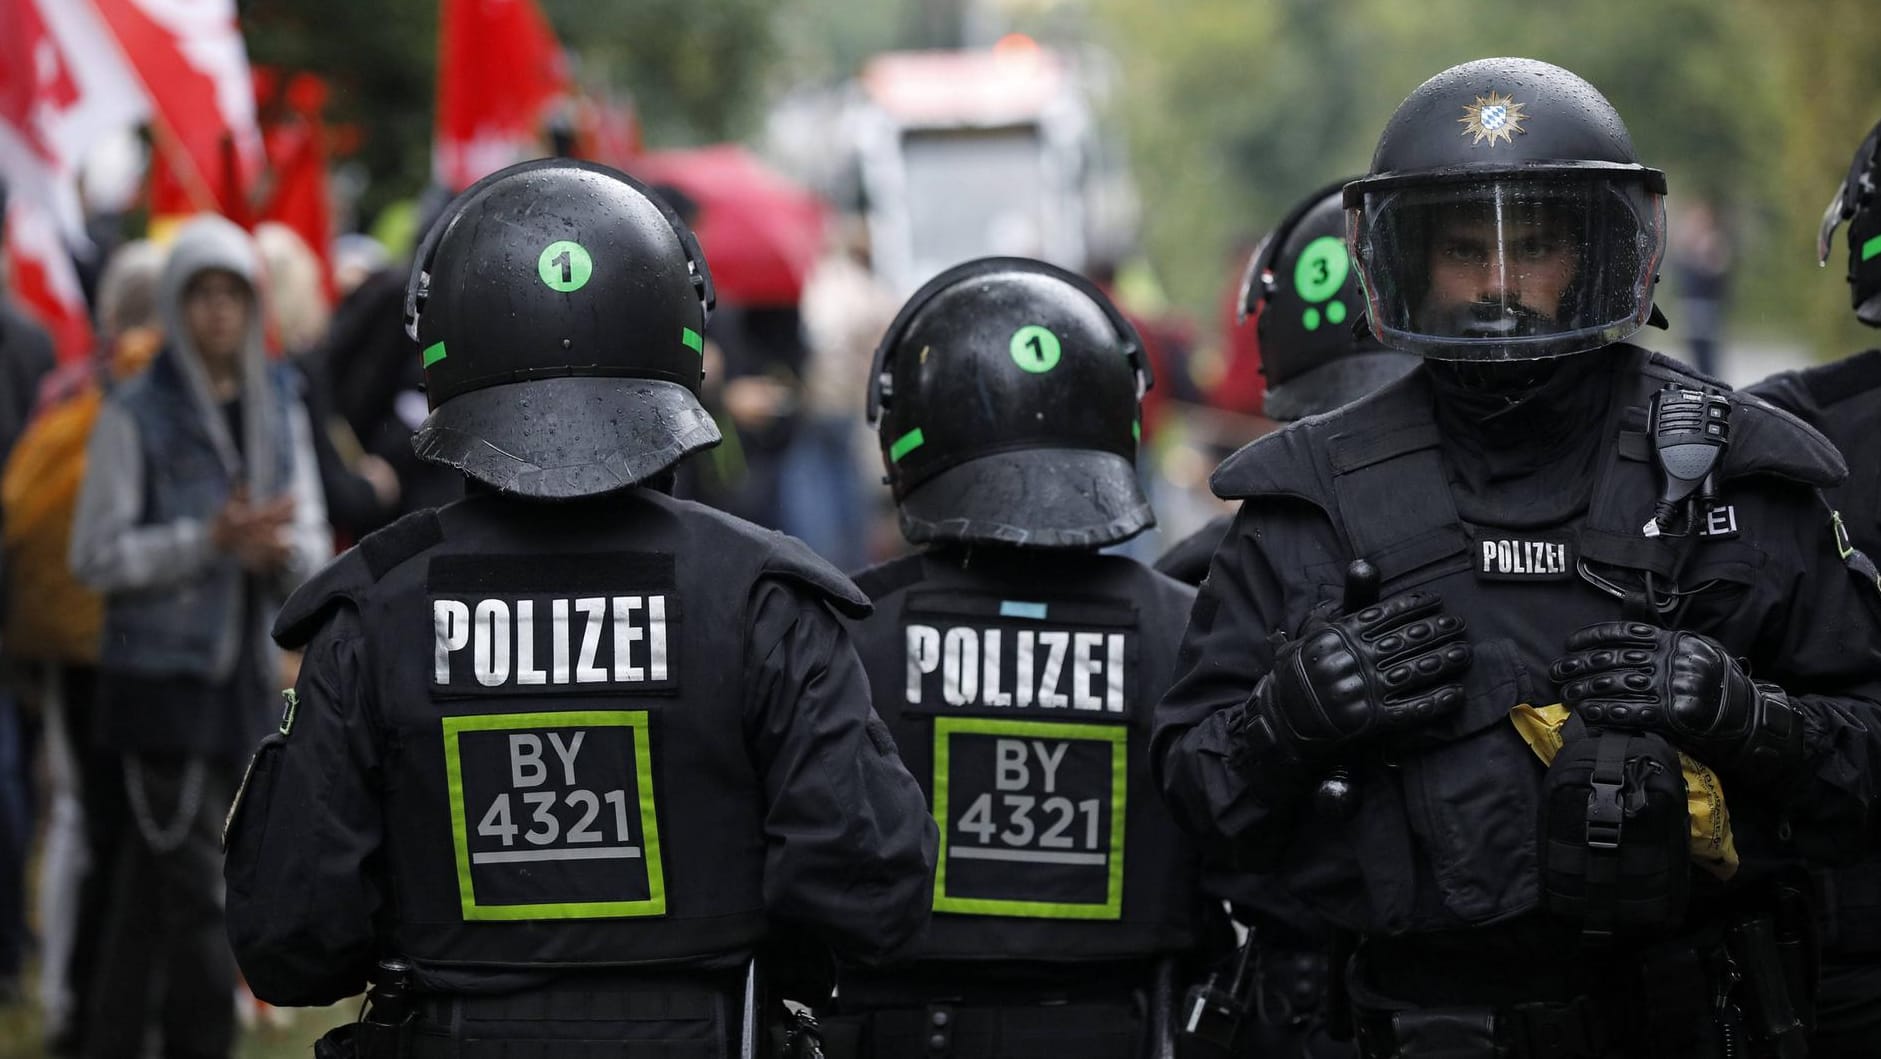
63	87
499	68
41	277
192	62
298	195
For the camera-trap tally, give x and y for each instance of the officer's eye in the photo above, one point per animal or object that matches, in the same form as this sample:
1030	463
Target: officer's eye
1464	252
1534	248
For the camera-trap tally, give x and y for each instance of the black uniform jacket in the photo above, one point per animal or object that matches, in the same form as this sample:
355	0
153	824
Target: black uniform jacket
1443	839
1061	655
1843	400
839	833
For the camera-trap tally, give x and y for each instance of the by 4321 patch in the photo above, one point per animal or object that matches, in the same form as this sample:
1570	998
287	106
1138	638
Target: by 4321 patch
1031	817
553	815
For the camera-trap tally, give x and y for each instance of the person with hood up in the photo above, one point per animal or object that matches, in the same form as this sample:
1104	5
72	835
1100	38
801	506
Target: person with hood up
200	511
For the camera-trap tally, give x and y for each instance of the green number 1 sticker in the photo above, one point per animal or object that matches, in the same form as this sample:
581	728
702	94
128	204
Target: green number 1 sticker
1035	349
565	266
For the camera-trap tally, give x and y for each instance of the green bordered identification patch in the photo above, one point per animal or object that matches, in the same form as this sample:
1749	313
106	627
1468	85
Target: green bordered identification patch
1031	817
553	815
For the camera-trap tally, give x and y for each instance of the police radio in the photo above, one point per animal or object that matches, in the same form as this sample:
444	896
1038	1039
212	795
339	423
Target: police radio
1690	429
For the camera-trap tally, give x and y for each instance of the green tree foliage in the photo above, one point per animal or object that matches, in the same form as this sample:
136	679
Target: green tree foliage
1235	109
694	69
379	58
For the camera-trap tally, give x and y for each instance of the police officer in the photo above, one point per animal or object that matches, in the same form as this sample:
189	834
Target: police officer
1304	298
564	754
1843	400
1433	590
1017	667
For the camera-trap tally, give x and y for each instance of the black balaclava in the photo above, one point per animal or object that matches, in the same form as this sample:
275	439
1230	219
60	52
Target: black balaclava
1522	439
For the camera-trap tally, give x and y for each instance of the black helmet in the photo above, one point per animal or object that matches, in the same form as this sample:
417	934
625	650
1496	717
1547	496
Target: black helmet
1855	203
1304	297
1506	217
1006	393
560	309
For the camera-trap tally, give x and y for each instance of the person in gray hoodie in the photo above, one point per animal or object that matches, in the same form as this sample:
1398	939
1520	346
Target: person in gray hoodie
200	511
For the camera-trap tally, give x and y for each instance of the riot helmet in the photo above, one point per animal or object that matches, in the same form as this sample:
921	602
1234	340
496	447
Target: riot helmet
1304	298
1855	202
560	310
1506	217
1007	395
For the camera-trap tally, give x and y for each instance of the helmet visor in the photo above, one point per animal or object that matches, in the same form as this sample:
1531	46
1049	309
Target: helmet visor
1508	268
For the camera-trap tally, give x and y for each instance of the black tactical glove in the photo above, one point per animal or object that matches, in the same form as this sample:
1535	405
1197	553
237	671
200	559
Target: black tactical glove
1687	687
1390	666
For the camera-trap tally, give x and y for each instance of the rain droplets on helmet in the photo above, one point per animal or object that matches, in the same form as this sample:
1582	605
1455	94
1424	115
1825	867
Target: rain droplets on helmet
1305	299
1006	394
560	310
1506	217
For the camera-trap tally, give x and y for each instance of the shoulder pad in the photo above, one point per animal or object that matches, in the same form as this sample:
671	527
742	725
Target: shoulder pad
1810	390
1766	440
1660	365
1279	464
358	569
883	578
792	560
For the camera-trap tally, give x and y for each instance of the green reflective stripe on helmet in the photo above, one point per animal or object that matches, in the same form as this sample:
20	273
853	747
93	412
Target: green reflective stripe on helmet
692	339
1871	248
905	444
434	353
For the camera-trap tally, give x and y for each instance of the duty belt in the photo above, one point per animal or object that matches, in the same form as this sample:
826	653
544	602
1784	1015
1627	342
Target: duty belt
655	1020
1572	1030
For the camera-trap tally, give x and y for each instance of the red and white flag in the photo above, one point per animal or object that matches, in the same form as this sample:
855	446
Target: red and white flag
192	62
40	276
499	70
64	86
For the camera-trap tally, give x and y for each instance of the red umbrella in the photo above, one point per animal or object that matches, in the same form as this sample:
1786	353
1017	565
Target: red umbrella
761	233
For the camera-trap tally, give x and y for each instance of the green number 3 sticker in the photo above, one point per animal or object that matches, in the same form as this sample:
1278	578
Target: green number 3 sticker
565	266
1035	349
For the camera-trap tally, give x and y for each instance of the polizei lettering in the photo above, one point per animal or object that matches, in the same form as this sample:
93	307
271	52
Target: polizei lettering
1021	668
550	642
1511	558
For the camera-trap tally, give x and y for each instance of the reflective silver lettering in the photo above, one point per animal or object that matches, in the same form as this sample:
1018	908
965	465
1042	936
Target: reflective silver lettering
490	643
450	623
586	672
1113	673
567	754
1049	697
526	671
558	669
989	684
1084	666
960	667
923	658
656	637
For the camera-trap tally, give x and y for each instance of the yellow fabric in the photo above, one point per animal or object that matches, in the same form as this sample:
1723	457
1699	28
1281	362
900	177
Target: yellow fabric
1712	846
49	615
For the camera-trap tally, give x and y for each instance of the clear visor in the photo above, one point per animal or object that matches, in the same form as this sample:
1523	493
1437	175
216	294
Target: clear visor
1508	268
